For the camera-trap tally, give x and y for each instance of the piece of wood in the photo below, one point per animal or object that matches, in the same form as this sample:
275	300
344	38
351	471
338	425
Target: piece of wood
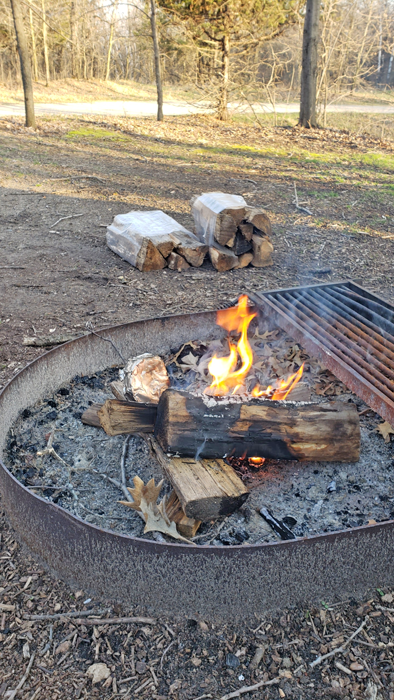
225	229
326	432
262	249
90	416
259	219
164	243
127	417
136	248
177	262
190	248
246	230
117	388
222	258
206	488
244	260
241	245
186	526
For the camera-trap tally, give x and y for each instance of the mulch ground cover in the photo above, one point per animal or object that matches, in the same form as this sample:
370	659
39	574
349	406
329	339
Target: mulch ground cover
59	187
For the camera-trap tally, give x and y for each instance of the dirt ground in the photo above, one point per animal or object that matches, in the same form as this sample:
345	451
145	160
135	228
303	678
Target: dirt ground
57	276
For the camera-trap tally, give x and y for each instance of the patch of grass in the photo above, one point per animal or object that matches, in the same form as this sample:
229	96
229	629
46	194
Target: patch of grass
93	133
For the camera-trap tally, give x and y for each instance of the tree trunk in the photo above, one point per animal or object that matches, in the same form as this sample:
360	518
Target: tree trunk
24	58
33	45
73	40
223	91
45	43
309	64
156	51
111	41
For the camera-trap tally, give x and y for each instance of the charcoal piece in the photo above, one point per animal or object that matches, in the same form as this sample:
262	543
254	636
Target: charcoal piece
52	403
64	392
52	415
227	539
289	521
241	535
277	525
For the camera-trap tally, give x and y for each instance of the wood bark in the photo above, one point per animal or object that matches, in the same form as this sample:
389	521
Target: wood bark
190	248
243	260
326	432
127	417
223	90
24	57
45	43
110	41
177	262
309	64
156	52
186	526
33	44
91	417
260	220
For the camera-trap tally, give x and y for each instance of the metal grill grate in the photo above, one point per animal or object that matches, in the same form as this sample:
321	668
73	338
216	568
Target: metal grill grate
350	330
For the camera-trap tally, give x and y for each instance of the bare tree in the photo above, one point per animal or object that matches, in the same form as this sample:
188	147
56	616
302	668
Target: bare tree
24	58
309	64
156	51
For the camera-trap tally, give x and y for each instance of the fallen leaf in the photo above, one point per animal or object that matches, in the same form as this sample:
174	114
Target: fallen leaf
385	430
155	516
63	647
98	672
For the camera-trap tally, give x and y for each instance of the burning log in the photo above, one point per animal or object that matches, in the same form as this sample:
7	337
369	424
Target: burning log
125	417
325	432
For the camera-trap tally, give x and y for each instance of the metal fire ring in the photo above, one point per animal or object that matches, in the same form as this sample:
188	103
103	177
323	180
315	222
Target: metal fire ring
223	583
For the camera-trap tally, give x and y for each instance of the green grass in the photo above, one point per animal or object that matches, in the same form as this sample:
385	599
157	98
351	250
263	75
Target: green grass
93	133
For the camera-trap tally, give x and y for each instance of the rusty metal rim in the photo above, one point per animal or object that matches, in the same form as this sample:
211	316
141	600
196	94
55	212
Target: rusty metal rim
35	519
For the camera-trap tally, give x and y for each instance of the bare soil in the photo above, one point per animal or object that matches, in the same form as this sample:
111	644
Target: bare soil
56	283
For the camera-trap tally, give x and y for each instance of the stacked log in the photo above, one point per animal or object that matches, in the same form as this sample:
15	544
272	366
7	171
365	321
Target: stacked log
152	240
241	235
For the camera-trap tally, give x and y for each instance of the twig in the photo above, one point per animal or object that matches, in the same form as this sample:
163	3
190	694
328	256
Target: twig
12	267
249	689
338	650
77	177
297	204
165	652
123	460
23	680
73	613
62	218
116	621
108	340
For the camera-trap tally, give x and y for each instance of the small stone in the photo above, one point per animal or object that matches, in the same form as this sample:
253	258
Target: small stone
232	661
355	666
195	661
203	626
351	479
63	647
98	672
332	486
387	598
287	662
141	667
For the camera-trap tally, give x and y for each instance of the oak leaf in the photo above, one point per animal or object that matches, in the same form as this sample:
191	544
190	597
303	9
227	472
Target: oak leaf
145	500
385	430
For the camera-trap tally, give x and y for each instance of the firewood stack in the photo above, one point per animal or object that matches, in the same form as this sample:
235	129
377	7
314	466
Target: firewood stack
237	235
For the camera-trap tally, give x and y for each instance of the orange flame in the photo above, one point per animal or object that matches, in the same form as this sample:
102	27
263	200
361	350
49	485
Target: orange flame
283	388
222	369
256	461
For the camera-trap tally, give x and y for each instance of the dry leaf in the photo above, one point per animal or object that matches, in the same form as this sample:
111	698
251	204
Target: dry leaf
98	672
385	430
155	516
189	362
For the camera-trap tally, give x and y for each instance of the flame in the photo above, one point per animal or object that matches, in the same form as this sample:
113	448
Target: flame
223	369
283	388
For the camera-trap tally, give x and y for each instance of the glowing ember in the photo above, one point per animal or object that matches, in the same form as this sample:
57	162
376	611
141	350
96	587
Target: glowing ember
226	376
256	461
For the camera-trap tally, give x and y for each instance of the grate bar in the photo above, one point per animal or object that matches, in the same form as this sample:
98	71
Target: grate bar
346	327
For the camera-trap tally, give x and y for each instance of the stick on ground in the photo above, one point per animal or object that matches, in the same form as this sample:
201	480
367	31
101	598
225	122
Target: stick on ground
249	689
340	649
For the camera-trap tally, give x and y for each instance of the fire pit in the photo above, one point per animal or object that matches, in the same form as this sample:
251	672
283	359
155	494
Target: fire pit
238	581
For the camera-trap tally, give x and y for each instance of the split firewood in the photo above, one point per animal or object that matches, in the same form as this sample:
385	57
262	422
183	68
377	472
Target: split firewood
206	489
122	418
246	230
118	390
177	262
244	260
241	245
164	243
185	525
91	417
262	249
189	247
145	501
145	378
259	219
137	249
225	229
222	258
327	432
